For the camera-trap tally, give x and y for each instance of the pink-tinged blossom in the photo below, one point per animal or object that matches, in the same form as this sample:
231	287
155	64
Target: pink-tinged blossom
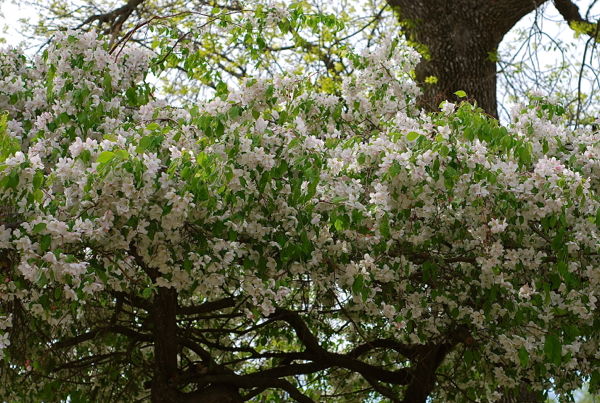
526	291
448	108
548	167
4	341
404	234
497	226
6	321
17	159
43	120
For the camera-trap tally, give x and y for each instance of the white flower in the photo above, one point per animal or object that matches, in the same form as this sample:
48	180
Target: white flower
496	226
37	309
16	159
163	282
6	321
389	311
400	325
175	152
526	291
448	108
445	131
4	341
92	287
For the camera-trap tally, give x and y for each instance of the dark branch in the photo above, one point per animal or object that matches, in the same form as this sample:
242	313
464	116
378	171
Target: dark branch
404	350
250	382
302	331
89	361
570	13
116	329
115	17
568	10
11	225
207	307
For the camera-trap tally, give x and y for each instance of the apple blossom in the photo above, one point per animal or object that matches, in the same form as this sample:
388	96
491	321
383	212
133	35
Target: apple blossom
277	237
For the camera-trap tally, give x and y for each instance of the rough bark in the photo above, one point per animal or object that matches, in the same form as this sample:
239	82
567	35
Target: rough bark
165	346
461	38
219	393
524	396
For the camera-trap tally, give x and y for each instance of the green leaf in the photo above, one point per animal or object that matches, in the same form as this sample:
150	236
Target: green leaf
248	264
147	292
234	112
220	130
384	227
45	242
553	349
557	242
85	155
412	136
186	173
545	146
523	356
38	179
468	356
338	199
38	195
105	156
107	82
339	225
358	284
39	227
337	112
121	154
41	279
460	94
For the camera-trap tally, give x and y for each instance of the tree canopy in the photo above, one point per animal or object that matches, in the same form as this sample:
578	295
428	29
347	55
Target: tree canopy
281	243
463	44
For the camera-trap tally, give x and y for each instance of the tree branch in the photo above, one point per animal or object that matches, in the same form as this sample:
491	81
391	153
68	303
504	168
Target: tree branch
404	350
568	10
121	14
302	331
321	356
251	381
570	13
117	329
207	307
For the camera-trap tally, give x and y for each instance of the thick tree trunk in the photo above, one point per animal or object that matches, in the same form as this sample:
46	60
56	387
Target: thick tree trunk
461	37
524	396
165	359
165	346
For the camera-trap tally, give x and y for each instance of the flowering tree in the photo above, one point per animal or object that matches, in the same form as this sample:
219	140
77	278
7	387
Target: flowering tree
279	244
464	43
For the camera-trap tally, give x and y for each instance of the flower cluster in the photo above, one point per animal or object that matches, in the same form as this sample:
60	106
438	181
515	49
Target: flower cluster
405	222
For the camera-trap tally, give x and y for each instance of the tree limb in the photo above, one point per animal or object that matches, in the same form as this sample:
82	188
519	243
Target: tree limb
251	381
400	348
207	307
570	13
117	329
302	331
